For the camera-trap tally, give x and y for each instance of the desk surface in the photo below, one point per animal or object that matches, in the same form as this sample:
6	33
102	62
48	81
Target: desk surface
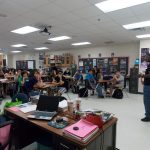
59	132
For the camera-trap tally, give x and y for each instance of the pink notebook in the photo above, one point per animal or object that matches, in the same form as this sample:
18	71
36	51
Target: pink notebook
84	128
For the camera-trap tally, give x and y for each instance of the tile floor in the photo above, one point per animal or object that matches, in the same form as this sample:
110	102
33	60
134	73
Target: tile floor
132	134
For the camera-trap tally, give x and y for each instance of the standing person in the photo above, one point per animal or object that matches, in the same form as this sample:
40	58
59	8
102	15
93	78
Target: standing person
145	79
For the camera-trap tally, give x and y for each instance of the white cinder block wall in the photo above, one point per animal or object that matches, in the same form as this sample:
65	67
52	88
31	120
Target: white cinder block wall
130	50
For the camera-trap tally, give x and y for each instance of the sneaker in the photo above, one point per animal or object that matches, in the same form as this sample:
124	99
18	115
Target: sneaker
101	96
145	119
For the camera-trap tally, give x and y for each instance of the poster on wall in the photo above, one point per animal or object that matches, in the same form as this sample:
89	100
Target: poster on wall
30	65
41	59
145	58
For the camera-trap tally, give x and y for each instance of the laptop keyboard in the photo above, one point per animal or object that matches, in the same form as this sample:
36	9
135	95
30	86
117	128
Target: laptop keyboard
44	113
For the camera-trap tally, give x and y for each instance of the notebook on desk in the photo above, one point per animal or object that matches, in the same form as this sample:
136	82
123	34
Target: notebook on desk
47	108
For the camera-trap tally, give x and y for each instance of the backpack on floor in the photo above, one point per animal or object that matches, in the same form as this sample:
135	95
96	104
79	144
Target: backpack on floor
118	94
83	92
75	89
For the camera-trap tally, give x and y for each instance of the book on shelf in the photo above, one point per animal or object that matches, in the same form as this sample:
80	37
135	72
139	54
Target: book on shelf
81	130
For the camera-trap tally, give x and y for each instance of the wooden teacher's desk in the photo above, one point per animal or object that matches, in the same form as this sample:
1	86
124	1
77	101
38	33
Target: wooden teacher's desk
27	129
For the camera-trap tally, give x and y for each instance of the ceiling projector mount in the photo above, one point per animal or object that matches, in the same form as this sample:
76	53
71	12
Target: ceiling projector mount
45	30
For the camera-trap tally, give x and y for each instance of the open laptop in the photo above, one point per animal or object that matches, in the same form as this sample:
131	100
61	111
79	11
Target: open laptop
47	108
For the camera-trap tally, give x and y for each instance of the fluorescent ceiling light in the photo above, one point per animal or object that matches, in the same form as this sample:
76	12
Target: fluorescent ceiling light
41	48
15	51
81	43
143	36
25	30
18	45
137	25
59	38
112	5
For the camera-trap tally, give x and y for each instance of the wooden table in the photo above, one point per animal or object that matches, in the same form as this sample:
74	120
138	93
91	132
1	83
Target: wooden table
26	129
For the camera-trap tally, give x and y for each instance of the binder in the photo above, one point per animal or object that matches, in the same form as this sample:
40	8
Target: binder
85	130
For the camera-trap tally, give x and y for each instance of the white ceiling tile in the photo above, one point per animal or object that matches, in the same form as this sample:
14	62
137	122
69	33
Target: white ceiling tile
32	3
68	18
71	5
123	13
11	9
51	10
123	21
94	1
88	12
141	9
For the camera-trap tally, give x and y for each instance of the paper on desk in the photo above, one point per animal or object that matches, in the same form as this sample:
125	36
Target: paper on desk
28	108
63	104
14	108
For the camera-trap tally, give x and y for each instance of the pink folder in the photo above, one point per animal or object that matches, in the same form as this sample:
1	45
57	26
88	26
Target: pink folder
84	128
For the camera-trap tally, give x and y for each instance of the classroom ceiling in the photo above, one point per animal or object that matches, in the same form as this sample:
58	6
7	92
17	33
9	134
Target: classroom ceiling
79	19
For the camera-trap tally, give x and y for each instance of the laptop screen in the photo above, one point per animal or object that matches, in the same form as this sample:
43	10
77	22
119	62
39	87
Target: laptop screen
48	103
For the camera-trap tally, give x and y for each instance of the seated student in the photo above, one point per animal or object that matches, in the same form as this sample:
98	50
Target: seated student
77	80
25	79
91	80
18	80
67	75
1	84
78	76
117	81
99	76
34	82
67	72
59	80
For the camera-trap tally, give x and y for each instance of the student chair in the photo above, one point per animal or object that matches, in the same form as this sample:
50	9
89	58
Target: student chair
5	133
90	86
22	97
124	89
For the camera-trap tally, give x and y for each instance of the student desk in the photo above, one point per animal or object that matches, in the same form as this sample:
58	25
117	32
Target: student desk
27	130
49	87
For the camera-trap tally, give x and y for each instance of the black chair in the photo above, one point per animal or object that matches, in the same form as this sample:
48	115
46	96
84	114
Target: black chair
90	85
22	97
124	89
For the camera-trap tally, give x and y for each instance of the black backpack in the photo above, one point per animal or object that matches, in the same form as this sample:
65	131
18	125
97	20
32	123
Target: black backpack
83	92
118	94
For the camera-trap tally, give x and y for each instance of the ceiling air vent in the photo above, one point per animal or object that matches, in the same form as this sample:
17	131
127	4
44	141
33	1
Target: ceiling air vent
138	29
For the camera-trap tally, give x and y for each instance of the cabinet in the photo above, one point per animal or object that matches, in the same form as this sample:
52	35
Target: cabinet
64	60
133	81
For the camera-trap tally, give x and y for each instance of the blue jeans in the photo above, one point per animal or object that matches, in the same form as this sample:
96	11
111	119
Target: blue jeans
99	90
147	100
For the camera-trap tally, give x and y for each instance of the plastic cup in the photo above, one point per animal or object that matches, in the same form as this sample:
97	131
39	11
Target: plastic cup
70	107
78	105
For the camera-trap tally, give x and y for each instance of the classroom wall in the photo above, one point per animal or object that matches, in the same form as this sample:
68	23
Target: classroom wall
130	50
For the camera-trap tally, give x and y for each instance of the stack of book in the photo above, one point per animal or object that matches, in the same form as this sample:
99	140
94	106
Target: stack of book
81	130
